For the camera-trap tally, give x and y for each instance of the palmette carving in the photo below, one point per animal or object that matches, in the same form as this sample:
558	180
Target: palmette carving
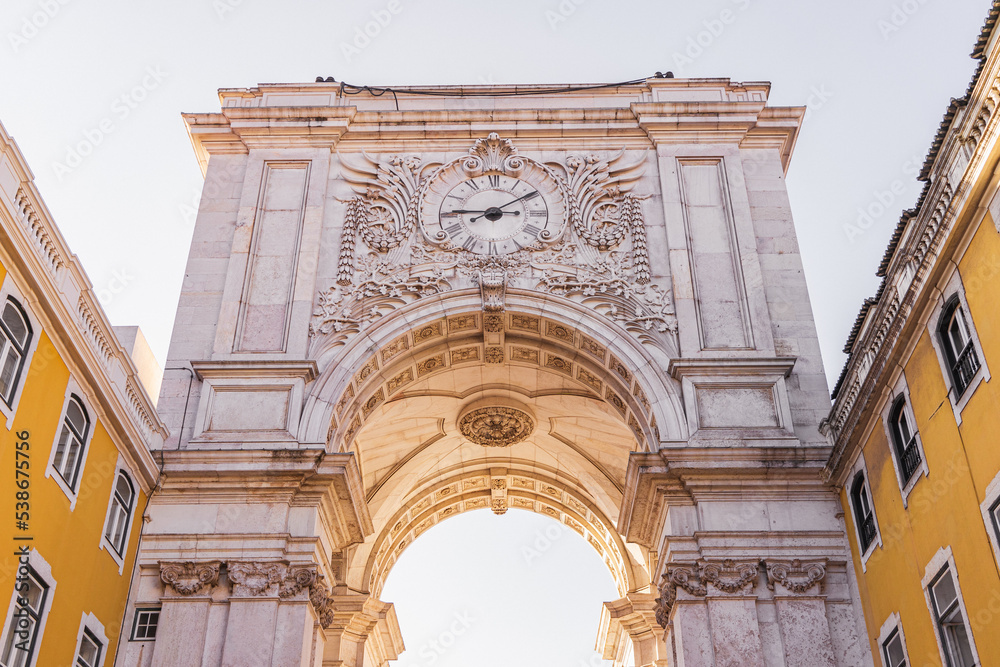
189	577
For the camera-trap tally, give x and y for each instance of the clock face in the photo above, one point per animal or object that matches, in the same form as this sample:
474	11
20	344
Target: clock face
493	214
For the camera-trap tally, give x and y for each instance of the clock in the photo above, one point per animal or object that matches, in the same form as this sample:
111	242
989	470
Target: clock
493	214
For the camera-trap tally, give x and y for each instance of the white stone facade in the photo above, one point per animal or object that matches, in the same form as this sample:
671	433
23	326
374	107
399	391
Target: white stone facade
584	303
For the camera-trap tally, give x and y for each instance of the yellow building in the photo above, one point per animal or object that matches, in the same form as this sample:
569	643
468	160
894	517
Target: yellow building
77	426
916	413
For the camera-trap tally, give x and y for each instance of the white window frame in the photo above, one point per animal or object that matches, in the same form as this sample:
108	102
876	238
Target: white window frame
9	289
901	388
89	622
44	572
859	466
942	559
121	468
50	470
892	623
992	496
139	608
955	287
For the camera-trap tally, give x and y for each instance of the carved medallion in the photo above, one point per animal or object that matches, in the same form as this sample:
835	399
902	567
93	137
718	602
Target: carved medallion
496	426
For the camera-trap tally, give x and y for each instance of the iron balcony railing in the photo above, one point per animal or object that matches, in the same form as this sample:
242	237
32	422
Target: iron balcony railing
965	368
867	531
910	459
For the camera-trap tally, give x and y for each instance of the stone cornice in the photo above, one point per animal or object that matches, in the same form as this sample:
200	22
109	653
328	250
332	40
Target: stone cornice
314	478
686	475
959	177
306	370
679	368
36	252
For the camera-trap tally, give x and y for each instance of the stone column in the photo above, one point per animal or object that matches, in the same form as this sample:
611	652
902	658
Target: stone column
805	630
184	615
732	612
253	614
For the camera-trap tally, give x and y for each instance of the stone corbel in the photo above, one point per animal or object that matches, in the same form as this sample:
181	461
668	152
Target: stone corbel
493	288
256	579
633	618
189	577
795	577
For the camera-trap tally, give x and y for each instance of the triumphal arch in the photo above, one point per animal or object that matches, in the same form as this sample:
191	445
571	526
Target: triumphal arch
586	302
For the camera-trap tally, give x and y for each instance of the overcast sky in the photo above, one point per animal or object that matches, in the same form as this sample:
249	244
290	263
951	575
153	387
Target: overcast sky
92	90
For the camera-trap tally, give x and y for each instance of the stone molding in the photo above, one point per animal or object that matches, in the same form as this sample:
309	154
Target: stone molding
795	576
188	577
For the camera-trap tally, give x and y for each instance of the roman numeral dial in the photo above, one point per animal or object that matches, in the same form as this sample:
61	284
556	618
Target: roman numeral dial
493	214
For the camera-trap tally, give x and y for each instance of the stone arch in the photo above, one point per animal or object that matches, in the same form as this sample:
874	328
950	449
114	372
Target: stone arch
431	335
518	487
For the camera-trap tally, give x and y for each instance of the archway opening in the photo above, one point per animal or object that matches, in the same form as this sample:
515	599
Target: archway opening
521	588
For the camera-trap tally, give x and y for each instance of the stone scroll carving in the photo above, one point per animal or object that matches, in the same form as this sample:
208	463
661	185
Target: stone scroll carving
795	576
188	577
596	255
703	578
731	576
251	579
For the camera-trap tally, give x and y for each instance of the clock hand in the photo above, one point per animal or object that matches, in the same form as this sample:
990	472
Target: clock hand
530	194
462	210
494	210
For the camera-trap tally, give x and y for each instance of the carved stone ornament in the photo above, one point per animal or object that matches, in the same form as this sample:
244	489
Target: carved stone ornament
252	579
299	578
688	577
730	576
496	426
396	248
795	576
189	577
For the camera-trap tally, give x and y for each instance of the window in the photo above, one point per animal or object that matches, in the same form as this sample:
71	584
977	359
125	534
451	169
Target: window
69	446
904	436
122	499
25	620
144	626
892	650
15	336
864	517
89	654
948	616
959	350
